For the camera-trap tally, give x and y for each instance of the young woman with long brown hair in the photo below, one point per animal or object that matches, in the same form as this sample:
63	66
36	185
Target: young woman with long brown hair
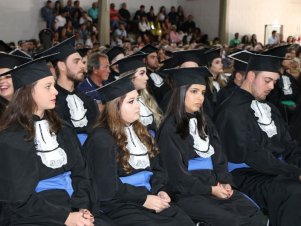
123	161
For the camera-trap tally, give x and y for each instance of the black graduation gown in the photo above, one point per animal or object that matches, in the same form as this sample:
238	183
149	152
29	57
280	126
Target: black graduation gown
210	101
272	183
20	171
124	202
277	95
157	92
192	189
295	124
225	92
63	110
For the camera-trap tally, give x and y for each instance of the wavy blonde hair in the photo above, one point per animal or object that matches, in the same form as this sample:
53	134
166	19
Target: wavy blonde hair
111	119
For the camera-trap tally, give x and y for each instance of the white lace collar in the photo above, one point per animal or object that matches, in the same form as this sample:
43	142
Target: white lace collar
138	152
146	115
201	146
77	111
263	112
47	146
158	81
287	89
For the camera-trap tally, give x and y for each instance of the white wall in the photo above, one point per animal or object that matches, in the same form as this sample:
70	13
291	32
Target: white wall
248	17
205	13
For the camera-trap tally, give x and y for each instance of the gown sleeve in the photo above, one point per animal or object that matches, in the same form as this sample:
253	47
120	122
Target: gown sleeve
19	177
183	181
242	145
100	150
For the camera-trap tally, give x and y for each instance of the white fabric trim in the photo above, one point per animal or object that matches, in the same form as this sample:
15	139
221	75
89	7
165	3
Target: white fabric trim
138	152
47	146
146	115
77	111
287	89
202	147
263	112
158	81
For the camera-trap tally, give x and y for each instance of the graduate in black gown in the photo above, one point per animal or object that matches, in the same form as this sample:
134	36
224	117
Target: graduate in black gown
150	113
287	91
265	161
156	84
123	161
238	75
192	154
44	181
73	106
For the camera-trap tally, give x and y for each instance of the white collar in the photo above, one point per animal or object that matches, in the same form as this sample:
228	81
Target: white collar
77	111
146	115
47	146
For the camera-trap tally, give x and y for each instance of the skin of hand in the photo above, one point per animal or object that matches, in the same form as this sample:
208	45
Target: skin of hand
77	219
155	203
228	189
219	192
163	195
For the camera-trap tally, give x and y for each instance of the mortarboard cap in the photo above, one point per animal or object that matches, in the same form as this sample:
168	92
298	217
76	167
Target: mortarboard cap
241	59
114	52
83	51
187	76
130	63
278	51
4	47
11	61
195	55
259	62
212	54
149	49
116	88
64	49
29	72
19	52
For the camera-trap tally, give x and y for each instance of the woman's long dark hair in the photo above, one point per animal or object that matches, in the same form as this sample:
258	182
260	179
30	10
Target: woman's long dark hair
19	113
176	107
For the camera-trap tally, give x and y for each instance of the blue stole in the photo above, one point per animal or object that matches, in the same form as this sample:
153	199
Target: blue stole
200	163
138	179
82	137
61	181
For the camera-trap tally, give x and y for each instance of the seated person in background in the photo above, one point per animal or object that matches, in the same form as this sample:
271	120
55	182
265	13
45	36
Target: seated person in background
263	158
123	161
192	155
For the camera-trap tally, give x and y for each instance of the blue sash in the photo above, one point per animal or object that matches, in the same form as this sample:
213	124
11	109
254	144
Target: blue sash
200	163
232	166
62	181
138	179
82	137
152	133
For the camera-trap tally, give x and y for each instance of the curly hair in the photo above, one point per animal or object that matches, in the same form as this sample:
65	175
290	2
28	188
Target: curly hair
111	119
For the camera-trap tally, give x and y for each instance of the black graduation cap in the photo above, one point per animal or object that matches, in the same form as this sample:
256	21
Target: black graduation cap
64	48
131	63
116	88
30	72
19	52
278	51
11	61
241	59
149	49
259	62
168	63
114	52
83	51
211	54
195	55
4	47
189	75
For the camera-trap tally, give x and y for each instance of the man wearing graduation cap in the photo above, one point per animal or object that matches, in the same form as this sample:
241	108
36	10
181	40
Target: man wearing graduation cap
72	105
157	85
264	160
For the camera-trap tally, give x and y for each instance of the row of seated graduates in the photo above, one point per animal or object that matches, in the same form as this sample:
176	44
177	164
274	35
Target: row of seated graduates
154	78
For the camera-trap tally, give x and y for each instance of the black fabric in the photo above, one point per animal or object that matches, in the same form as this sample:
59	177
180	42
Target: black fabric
245	142
3	104
225	92
10	61
64	112
21	170
259	62
130	63
192	189
114	52
123	203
